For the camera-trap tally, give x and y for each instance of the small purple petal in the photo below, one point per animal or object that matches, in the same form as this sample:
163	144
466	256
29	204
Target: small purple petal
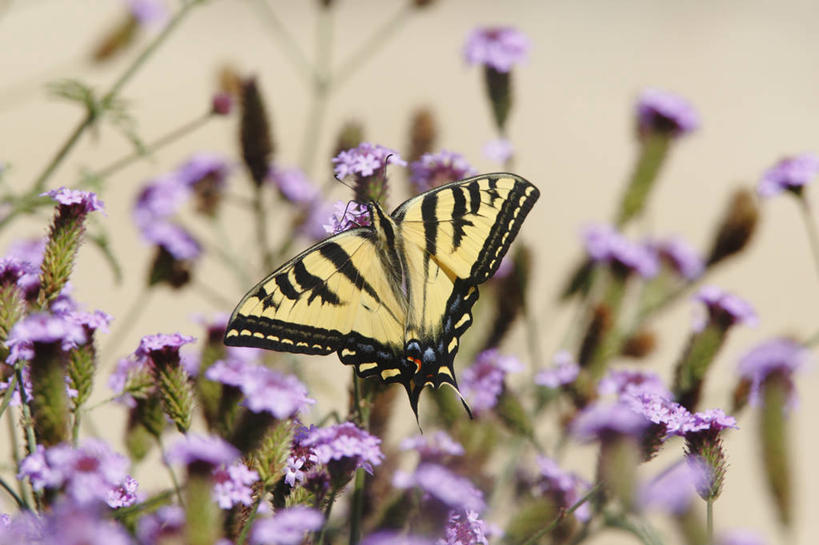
443	485
781	356
293	184
499	151
789	174
604	244
740	537
436	169
499	48
482	382
564	371
211	450
347	216
83	201
42	328
433	446
663	112
344	441
726	308
394	537
173	238
364	160
632	382
201	166
232	485
682	257
287	526
712	420
603	420
674	490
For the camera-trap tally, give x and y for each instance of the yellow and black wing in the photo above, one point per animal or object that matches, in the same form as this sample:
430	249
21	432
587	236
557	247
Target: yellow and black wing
334	297
453	238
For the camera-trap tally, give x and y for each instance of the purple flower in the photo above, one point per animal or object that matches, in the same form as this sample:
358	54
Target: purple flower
435	169
42	328
165	523
12	270
148	12
343	443
222	104
433	446
287	526
92	472
465	528
203	166
364	160
499	151
232	485
564	487
605	420
673	490
317	214
394	537
499	48
712	421
91	321
682	257
159	200
265	390
173	238
129	373
789	174
347	216
443	486
293	184
482	382
660	112
210	450
605	245
564	371
725	308
162	349
73	524
659	410
631	382
781	357
739	537
80	202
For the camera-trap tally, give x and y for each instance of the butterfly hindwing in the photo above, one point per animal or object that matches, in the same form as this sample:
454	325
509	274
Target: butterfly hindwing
334	297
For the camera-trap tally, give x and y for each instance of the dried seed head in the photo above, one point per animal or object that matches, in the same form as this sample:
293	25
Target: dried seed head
254	132
737	227
423	133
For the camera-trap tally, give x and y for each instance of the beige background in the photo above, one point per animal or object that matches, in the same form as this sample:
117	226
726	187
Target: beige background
749	67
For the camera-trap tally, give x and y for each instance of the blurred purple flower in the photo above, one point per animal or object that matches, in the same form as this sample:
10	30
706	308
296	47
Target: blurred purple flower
293	184
73	524
232	485
160	199
499	48
91	322
739	537
165	524
318	213
347	216
681	257
674	490
563	487
221	104
725	308
148	12
173	238
344	442
201	166
433	447
605	420
162	349
661	112
606	245
712	420
622	382
779	356
90	472
499	150
42	328
564	371
436	169
287	526
789	174
465	528
364	160
482	382
210	450
12	270
394	537
80	202
659	410
443	486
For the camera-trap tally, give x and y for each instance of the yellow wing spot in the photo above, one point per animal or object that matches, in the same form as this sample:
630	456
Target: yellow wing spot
257	334
287	341
319	347
389	373
232	333
429	383
366	366
301	343
453	344
464	319
443	370
347	352
273	338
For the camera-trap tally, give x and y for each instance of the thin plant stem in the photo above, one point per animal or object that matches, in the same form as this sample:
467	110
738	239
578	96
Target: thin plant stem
260	220
254	509
12	385
159	499
291	47
212	296
160	142
709	521
357	507
15	456
534	538
361	55
226	254
321	89
171	472
327	509
75	427
17	499
31	440
131	316
810	227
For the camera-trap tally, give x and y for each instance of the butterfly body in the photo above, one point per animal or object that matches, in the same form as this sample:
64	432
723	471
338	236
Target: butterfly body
392	298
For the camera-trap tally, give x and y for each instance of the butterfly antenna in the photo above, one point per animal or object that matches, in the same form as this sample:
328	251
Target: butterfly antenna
343	182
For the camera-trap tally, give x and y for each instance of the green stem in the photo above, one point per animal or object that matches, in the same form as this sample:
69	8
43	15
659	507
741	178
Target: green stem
534	538
321	89
357	507
653	151
160	142
160	499
15	456
24	401
39	184
327	509
709	520
17	499
260	220
12	385
171	472
75	427
249	522
810	226
291	46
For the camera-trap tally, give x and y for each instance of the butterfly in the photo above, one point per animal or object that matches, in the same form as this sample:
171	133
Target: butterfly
392	298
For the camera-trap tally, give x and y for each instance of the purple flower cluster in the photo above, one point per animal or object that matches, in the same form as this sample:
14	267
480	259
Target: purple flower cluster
606	245
433	447
394	537
466	527
499	150
499	48
206	449
264	390
287	526
778	357
622	382
293	184
435	169
42	328
725	308
661	112
346	216
563	487
166	523
482	382
79	203
789	174
674	490
365	160
67	523
442	486
682	258
343	442
232	485
606	420
564	371
89	473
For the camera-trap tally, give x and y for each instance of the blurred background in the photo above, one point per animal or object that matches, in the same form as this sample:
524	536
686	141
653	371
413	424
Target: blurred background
748	67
